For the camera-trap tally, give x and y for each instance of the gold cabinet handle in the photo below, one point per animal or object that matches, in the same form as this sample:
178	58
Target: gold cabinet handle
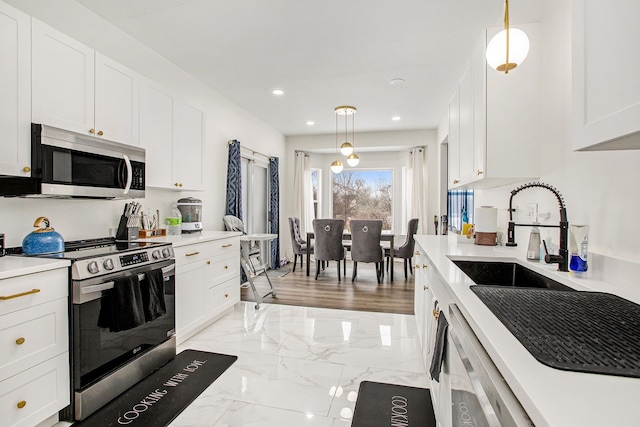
436	313
26	169
208	262
425	288
22	294
417	266
180	185
100	133
226	267
228	245
21	404
192	253
20	341
417	252
92	131
479	172
175	184
424	266
226	295
455	181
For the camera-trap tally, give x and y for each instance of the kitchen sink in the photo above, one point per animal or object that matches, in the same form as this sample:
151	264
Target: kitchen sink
507	274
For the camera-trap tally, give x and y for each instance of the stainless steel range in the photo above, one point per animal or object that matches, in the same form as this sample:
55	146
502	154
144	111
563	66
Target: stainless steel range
122	316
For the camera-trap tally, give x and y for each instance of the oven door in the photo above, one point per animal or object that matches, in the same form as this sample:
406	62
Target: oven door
97	351
479	394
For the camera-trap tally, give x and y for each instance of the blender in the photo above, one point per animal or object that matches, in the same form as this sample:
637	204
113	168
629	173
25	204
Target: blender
191	210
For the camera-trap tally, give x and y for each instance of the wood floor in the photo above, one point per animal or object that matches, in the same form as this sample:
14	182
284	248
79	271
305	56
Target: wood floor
365	294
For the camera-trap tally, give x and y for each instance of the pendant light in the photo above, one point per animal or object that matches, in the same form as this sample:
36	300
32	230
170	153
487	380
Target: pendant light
508	48
347	148
336	166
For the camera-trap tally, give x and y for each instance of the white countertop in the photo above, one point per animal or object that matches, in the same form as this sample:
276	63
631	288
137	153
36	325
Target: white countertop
551	397
12	266
191	238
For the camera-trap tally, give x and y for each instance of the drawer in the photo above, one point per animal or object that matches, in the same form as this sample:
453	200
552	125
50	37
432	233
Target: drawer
224	247
20	292
221	268
35	394
222	296
193	253
31	336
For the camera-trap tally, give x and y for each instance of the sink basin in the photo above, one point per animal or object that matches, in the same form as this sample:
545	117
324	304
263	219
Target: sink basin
507	274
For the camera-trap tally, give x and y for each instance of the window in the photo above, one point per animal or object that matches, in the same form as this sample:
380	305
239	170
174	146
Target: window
363	194
459	208
315	191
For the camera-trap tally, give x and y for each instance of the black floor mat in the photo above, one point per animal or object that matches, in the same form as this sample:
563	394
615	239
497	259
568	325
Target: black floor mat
163	395
380	404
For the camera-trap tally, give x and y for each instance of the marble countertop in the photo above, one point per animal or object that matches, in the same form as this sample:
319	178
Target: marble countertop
551	397
12	266
192	238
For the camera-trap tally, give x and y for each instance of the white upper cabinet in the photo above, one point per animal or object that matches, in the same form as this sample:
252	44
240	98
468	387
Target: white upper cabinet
77	89
15	87
606	86
496	119
188	146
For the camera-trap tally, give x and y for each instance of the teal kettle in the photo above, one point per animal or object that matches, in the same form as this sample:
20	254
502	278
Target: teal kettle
43	240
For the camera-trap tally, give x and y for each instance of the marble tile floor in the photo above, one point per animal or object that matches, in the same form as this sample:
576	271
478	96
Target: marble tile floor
301	366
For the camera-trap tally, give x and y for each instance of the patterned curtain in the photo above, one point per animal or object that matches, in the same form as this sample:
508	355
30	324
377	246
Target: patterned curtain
234	181
274	209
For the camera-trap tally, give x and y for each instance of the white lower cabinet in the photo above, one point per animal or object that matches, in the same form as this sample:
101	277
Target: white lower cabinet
207	283
34	337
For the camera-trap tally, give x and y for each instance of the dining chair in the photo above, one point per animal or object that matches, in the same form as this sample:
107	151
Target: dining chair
298	244
406	250
328	243
365	245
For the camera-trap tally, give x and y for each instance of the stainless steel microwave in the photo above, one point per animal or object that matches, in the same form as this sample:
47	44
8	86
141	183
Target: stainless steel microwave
68	164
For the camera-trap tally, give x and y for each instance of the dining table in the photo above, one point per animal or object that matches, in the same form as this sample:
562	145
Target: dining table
384	237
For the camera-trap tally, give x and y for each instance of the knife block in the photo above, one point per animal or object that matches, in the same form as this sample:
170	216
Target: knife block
126	232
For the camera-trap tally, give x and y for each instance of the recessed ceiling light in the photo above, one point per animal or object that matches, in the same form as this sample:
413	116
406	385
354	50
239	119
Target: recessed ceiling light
396	82
310	123
395	118
277	92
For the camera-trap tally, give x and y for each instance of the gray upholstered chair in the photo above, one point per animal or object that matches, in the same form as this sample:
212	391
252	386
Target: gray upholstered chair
298	244
328	243
406	250
365	245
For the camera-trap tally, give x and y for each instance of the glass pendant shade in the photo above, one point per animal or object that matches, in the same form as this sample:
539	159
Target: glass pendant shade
497	50
353	159
346	148
336	166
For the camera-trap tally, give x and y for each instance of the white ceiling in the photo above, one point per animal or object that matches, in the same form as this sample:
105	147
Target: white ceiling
322	53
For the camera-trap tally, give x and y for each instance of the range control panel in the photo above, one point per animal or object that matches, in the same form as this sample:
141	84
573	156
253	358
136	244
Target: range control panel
114	262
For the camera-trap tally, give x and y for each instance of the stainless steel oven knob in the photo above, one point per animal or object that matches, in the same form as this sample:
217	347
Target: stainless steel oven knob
166	252
108	264
93	267
156	254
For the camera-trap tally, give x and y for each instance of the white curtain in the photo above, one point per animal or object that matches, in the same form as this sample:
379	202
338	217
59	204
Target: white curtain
418	183
302	201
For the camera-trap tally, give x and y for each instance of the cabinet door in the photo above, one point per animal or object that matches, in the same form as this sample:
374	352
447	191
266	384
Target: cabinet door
465	93
15	87
190	298
479	106
62	80
454	142
606	87
156	135
188	146
116	103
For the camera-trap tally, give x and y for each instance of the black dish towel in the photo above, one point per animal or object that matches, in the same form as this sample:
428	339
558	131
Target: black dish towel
439	347
152	287
121	308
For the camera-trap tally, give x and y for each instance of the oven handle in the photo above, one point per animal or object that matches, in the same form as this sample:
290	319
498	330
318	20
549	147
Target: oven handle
166	272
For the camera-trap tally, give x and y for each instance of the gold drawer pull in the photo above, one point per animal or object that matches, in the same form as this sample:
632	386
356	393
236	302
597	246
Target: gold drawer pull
417	266
26	169
20	341
417	252
100	133
228	245
479	172
208	262
193	253
92	131
436	313
424	266
455	181
21	404
226	267
22	294
425	288
226	295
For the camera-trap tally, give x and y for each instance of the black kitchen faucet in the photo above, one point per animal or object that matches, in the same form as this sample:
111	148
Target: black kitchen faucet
562	259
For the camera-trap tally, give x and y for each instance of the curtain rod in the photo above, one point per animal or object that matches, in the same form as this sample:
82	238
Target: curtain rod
254	152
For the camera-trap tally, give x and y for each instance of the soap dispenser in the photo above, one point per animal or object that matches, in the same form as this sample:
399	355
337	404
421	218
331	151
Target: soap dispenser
533	250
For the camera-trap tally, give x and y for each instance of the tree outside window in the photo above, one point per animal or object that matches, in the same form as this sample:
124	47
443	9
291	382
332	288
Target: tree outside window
363	194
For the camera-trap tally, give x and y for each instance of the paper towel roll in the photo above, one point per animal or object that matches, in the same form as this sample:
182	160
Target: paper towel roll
486	219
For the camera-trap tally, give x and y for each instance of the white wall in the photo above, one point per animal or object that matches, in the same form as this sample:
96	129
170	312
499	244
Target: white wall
77	219
394	148
600	188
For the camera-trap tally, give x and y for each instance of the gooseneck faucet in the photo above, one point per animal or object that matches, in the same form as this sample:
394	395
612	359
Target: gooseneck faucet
562	259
